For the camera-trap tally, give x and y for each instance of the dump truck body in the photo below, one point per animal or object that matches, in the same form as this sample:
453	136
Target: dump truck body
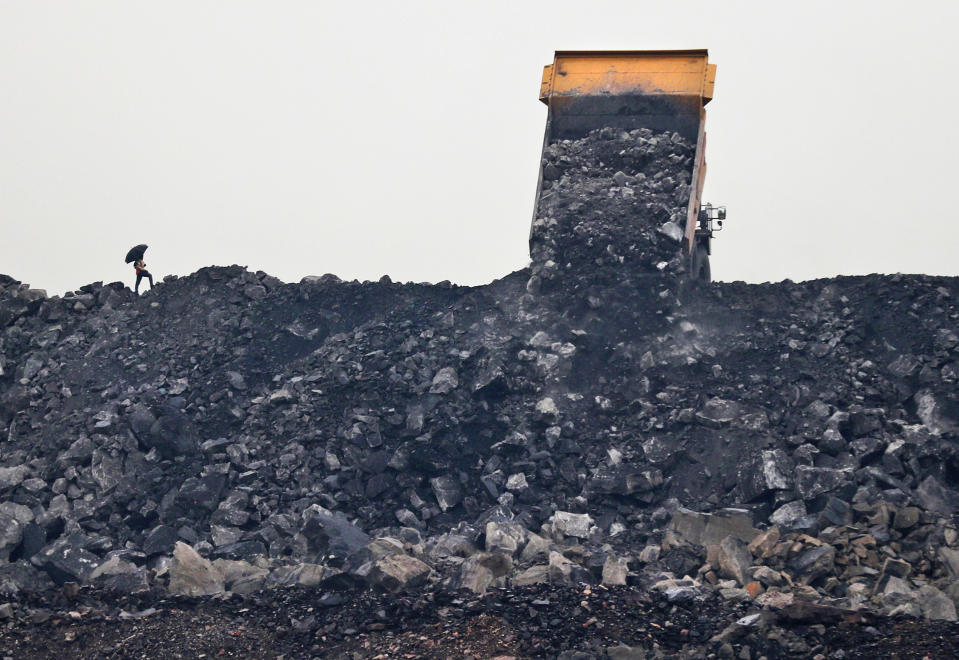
659	90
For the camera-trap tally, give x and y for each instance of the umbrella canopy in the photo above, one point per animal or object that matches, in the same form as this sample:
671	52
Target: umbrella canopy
136	252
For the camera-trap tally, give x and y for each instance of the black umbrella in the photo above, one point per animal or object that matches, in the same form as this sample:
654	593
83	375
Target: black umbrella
136	253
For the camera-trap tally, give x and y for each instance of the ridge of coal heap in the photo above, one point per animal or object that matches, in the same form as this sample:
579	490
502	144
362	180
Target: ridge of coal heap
586	420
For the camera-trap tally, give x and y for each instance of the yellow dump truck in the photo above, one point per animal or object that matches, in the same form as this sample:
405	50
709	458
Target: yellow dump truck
663	90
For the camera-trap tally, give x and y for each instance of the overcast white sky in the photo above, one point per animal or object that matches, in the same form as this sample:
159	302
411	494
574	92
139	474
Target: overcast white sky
403	138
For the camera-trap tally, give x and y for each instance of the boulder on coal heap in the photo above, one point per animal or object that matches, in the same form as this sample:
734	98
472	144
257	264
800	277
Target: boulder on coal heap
565	523
505	537
200	493
734	559
67	559
703	529
160	540
625	480
170	431
814	481
118	574
717	412
192	575
813	563
615	570
478	572
445	381
11	477
329	536
759	475
935	497
448	492
11	533
398	572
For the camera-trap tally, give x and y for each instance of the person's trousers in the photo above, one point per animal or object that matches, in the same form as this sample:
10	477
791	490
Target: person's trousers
140	276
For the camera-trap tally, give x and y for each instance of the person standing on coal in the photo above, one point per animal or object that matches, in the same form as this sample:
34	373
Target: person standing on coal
135	256
141	269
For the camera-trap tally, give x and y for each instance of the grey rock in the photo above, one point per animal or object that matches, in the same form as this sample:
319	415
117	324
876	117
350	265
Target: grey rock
67	560
672	230
935	414
106	470
118	574
718	412
452	545
789	515
933	496
814	481
538	574
560	569
814	563
904	366
11	477
304	575
11	533
201	493
222	535
21	513
236	380
396	573
281	397
623	652
615	570
950	559
444	381
160	540
508	538
241	577
192	575
479	571
517	482
330	536
777	469
710	529
80	451
734	560
447	491
936	605
571	524
536	548
32	367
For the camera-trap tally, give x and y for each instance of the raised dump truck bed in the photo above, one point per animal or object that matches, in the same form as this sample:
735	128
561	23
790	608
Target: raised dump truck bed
662	90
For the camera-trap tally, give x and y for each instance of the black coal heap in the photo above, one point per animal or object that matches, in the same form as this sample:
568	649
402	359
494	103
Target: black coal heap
587	419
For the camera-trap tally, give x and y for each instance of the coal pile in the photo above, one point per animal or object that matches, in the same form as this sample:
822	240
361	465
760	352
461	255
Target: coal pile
789	450
612	203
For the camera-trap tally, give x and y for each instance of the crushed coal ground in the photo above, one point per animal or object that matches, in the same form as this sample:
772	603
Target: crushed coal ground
528	622
779	455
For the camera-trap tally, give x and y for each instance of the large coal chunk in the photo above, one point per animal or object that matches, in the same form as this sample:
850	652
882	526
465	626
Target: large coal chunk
814	481
626	480
200	494
160	540
329	537
11	534
760	475
67	559
169	431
